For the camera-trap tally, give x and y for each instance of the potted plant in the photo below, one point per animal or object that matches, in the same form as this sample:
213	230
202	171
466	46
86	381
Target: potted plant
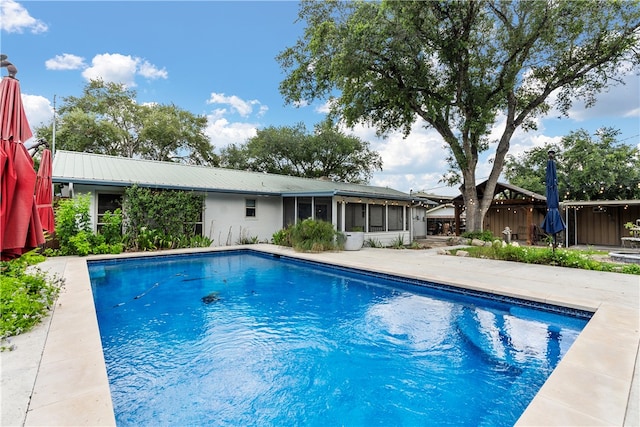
354	239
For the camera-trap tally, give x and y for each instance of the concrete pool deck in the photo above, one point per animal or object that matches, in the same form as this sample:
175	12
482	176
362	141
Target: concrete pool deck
56	375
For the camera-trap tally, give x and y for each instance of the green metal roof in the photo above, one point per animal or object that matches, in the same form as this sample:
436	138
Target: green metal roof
97	169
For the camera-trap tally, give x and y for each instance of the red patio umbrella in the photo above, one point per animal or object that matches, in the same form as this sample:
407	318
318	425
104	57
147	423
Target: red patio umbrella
20	228
44	192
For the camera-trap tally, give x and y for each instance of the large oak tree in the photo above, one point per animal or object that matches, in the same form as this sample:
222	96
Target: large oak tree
107	119
291	150
461	66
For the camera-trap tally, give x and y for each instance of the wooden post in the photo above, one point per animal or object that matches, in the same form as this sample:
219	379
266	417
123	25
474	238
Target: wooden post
529	222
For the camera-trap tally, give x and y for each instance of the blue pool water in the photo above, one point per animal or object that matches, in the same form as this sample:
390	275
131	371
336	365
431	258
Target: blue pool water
280	342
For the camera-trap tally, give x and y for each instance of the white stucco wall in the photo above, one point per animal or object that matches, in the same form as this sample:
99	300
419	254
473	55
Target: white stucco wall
225	221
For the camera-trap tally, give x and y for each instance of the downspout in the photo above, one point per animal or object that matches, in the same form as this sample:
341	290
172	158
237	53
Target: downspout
410	219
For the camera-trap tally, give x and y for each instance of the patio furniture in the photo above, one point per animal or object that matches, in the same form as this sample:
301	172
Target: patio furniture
632	241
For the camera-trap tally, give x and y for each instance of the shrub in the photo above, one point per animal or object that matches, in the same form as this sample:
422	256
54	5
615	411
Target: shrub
485	235
547	256
73	229
25	296
282	237
72	224
153	218
112	228
315	236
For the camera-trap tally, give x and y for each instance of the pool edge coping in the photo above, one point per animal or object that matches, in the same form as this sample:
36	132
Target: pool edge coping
561	401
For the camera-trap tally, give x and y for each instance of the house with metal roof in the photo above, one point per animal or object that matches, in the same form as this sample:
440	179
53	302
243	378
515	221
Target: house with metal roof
238	203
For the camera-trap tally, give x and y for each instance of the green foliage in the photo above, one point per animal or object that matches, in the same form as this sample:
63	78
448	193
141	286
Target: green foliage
547	256
80	244
415	245
372	242
198	241
246	239
327	153
160	219
107	119
112	227
25	297
397	243
282	237
485	235
155	220
460	66
315	236
73	224
589	167
73	230
634	230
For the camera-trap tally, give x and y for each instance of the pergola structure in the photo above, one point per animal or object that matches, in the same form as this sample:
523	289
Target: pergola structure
512	207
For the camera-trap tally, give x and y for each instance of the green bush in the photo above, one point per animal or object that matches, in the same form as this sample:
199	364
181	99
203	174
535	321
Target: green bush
73	229
112	227
73	224
160	219
485	235
282	237
315	236
25	297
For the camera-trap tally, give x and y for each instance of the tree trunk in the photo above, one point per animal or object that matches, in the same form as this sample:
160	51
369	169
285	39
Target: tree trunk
474	216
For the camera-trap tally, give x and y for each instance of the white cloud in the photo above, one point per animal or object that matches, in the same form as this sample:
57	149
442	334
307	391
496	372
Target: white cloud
14	18
238	105
419	162
66	61
122	69
322	109
618	101
38	110
416	162
221	132
300	104
112	68
218	113
152	72
263	110
634	112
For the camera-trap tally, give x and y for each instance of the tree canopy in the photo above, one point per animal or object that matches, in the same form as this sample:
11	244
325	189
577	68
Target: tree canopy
106	119
464	67
590	167
325	153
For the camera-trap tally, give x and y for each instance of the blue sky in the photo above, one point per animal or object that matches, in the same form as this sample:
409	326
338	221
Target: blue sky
217	58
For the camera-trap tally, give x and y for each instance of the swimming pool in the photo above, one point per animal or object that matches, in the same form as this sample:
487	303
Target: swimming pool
338	348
